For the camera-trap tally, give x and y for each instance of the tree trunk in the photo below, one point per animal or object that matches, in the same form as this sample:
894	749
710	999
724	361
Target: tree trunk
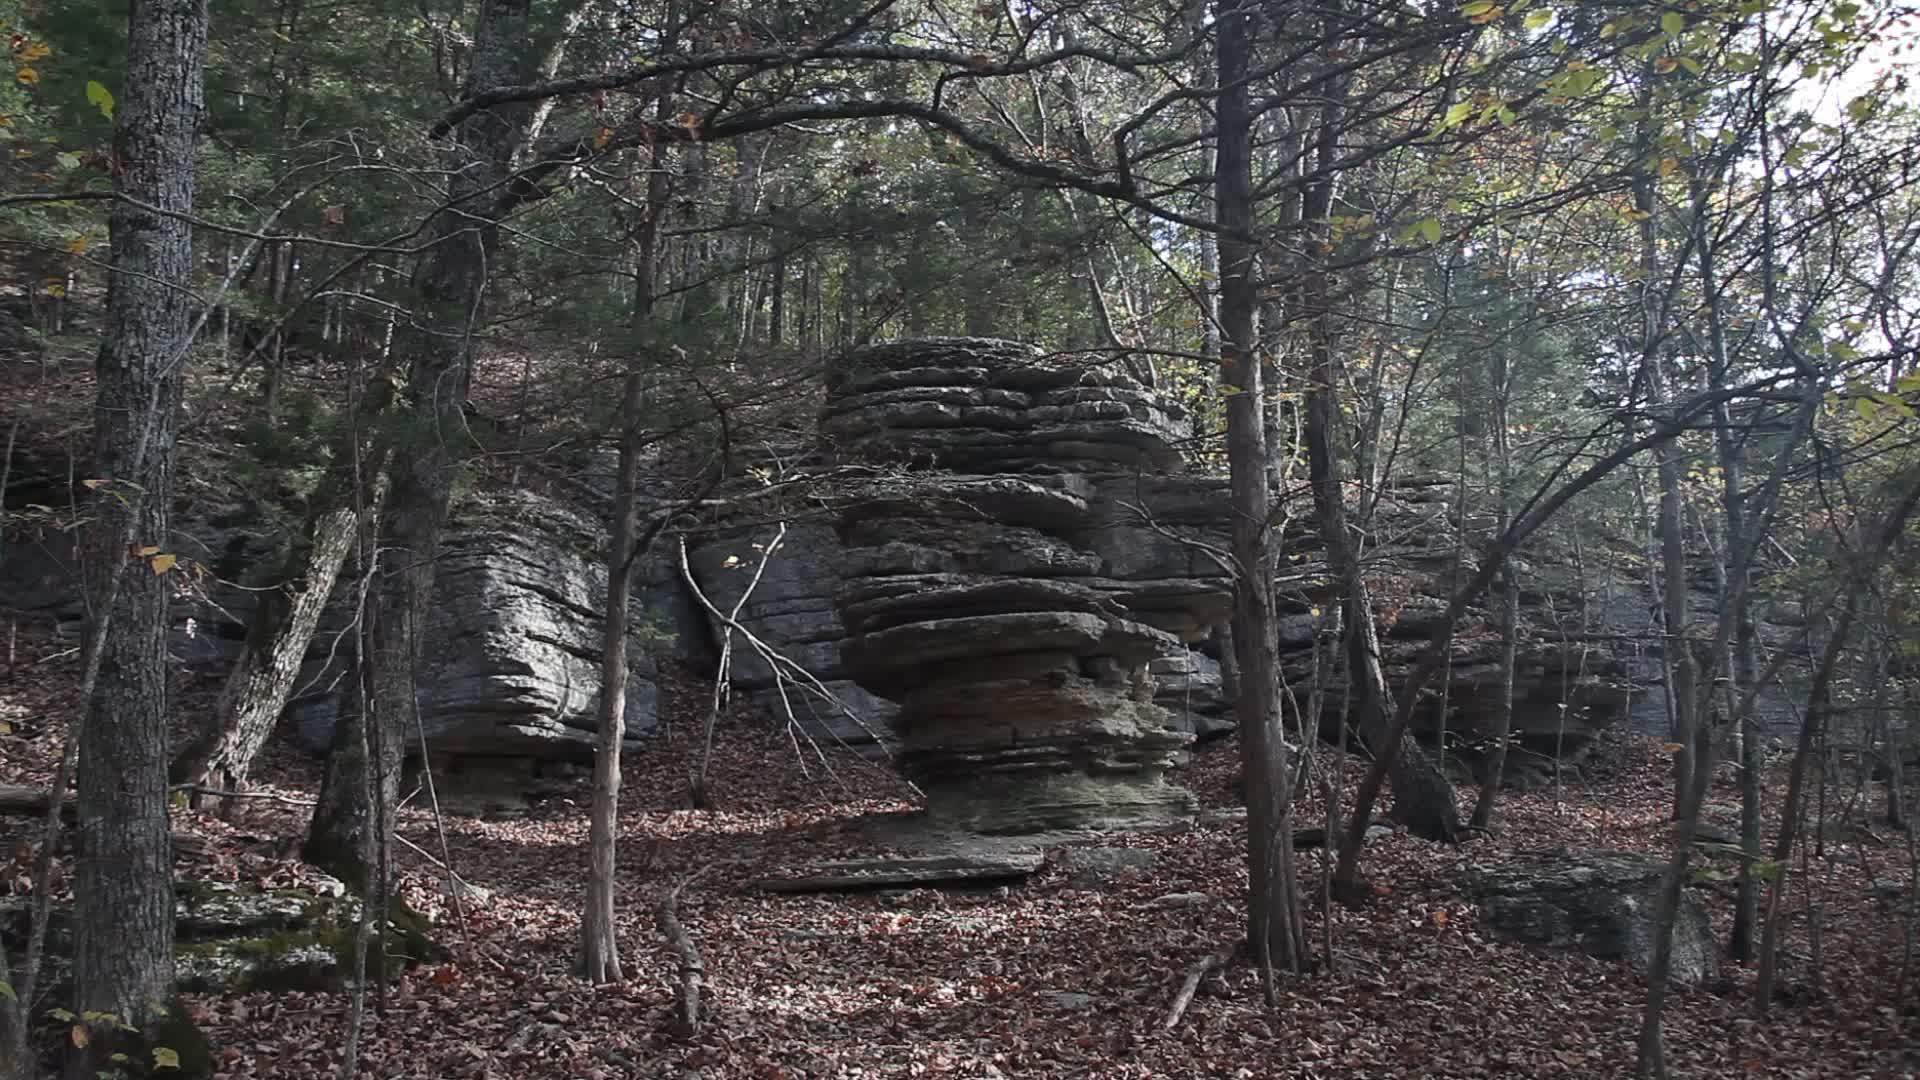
1273	935
450	285
1423	800
1813	721
123	883
1510	596
599	946
599	943
256	690
1734	563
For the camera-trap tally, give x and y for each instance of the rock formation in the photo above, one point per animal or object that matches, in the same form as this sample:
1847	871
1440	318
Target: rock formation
792	610
234	937
1605	904
977	596
511	666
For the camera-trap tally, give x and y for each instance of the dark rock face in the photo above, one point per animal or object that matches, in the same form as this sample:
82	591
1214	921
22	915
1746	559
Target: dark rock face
983	602
791	609
1603	903
511	665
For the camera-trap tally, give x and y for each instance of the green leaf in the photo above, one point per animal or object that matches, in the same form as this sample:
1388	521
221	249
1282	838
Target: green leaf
1692	65
1537	19
1476	7
101	98
1428	230
6	991
1860	108
166	1057
1673	23
1866	408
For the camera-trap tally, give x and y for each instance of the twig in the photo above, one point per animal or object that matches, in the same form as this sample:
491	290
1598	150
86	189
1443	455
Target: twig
777	660
722	681
1191	984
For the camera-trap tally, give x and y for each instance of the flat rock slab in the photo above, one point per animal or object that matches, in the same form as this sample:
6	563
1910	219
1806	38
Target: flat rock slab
979	868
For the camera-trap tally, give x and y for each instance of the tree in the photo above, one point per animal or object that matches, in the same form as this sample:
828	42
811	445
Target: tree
123	886
1273	919
450	287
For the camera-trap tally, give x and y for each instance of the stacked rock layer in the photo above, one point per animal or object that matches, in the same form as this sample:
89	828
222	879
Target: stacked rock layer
980	593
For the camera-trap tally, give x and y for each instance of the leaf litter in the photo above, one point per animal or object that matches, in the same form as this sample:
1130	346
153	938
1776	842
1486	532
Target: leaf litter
1053	977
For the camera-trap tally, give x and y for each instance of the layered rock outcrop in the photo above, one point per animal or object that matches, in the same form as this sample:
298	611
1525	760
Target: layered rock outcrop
511	665
977	595
791	608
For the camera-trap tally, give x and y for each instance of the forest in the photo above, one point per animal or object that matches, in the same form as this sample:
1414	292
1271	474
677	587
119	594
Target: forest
886	538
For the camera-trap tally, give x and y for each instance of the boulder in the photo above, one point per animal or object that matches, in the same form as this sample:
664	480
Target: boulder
1602	903
232	937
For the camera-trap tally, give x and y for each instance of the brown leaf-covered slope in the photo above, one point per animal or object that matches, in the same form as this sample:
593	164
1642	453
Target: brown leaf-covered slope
1068	974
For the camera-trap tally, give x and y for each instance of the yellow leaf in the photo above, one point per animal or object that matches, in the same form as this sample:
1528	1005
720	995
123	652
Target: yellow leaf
35	50
79	1036
691	122
602	137
166	1057
1673	747
94	484
55	288
1668	166
27	76
146	551
78	246
1439	918
162	563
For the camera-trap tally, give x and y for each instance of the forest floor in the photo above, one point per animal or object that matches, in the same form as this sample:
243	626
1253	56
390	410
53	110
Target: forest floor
1042	979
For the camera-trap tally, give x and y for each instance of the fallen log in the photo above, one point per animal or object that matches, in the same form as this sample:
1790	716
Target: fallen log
693	967
19	799
974	868
1191	984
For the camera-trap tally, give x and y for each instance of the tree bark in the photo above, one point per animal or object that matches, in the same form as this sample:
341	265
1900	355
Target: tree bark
123	883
